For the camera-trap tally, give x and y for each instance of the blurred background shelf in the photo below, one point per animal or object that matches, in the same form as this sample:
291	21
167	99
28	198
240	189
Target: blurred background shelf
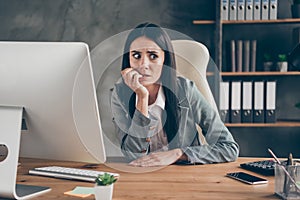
277	124
291	73
277	21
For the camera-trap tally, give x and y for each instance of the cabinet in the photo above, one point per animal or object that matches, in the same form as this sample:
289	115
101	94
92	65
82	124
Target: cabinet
282	134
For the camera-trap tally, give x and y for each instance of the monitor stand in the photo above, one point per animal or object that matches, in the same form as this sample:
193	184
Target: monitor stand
10	136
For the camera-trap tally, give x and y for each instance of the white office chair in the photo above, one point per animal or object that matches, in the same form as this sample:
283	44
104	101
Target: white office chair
192	59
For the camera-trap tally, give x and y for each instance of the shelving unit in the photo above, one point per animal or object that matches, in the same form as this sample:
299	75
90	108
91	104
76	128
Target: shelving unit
234	74
218	23
204	22
277	21
280	76
277	124
290	73
272	134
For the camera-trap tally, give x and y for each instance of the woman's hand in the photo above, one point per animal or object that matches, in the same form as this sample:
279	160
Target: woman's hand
131	79
162	158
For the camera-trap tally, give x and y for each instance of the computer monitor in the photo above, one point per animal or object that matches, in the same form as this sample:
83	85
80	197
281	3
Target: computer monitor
53	82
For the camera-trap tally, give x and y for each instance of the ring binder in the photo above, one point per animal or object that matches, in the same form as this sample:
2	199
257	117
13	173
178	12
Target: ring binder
232	10
258	113
273	9
233	56
257	9
247	102
265	9
246	55
253	55
270	111
241	10
239	51
225	10
224	101
235	111
249	10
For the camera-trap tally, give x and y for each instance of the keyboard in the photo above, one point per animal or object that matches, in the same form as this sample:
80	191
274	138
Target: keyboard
68	173
264	167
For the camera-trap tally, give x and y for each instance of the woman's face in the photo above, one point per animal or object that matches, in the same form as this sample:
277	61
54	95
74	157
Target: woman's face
147	58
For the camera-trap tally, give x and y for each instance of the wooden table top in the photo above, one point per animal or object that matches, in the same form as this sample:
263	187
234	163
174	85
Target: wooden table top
171	182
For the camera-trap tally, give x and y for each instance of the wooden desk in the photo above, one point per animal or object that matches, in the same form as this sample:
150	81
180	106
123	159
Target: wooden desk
172	182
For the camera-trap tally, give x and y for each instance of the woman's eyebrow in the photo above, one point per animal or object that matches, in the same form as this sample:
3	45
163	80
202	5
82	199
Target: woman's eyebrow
135	51
148	51
152	51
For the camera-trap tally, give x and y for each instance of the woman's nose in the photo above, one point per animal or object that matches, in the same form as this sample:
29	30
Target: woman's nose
145	62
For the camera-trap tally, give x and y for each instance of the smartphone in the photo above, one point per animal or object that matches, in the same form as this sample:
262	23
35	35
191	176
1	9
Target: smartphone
247	178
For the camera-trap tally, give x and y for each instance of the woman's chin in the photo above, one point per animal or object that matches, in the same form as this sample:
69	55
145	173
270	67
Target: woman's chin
145	82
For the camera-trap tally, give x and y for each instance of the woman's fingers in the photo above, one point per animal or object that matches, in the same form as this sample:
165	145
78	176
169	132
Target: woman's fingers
153	159
135	79
131	78
125	71
162	158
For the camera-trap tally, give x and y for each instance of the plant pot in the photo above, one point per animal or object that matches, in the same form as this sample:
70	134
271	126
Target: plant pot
103	192
282	66
295	10
268	66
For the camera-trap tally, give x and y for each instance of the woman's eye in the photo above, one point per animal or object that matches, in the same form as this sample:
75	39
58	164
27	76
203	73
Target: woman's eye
153	56
136	55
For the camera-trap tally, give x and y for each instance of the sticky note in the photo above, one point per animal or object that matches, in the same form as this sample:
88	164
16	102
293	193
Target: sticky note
81	191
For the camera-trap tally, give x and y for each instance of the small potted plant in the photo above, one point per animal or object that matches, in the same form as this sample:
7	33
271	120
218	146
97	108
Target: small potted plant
282	64
295	9
104	186
268	62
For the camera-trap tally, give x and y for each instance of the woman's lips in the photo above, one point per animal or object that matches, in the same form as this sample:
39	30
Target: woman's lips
144	77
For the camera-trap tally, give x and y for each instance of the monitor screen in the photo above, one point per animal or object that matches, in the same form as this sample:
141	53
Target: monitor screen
54	83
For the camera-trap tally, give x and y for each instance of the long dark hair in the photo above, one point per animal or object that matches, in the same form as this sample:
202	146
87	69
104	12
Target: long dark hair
168	76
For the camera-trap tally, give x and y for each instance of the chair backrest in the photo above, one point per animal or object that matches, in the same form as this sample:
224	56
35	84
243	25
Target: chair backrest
192	59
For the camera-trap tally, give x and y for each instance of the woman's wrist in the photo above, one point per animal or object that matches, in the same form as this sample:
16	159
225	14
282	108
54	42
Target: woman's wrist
182	156
142	93
142	103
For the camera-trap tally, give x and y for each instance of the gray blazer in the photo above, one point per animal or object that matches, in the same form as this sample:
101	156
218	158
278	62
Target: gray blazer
194	109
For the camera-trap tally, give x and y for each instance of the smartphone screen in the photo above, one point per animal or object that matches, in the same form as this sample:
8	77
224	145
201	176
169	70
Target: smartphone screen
247	178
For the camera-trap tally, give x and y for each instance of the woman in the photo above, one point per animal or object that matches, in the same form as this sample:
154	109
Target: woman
155	112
